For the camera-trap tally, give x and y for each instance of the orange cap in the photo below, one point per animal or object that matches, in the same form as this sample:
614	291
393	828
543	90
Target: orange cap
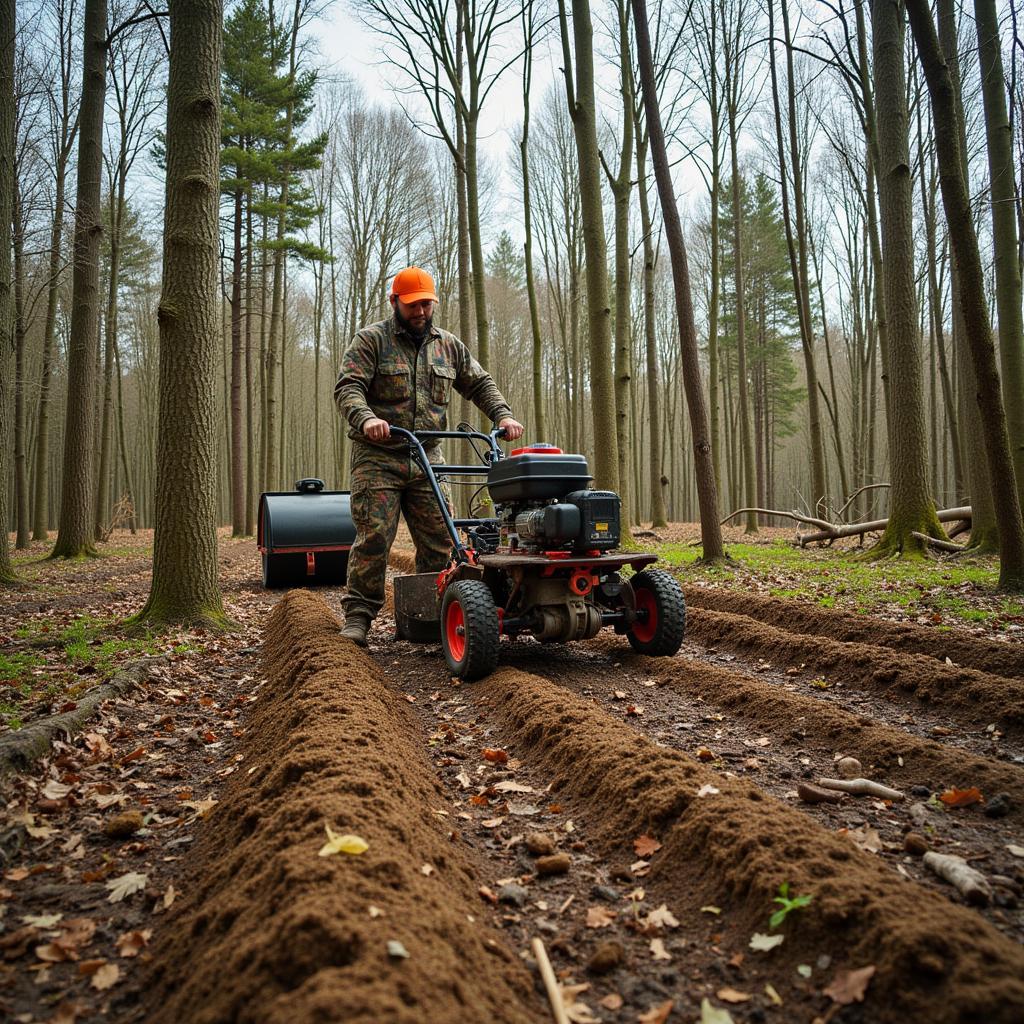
413	285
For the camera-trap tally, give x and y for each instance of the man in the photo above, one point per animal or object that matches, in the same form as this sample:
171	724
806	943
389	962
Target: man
401	372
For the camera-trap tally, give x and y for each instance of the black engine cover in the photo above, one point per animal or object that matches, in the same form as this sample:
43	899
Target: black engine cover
599	519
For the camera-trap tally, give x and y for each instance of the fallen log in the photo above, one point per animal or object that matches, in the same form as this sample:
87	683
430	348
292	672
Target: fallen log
833	532
971	884
19	748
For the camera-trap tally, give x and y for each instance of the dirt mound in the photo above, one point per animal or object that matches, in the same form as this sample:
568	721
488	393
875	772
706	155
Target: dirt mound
1001	659
734	847
272	932
809	722
975	697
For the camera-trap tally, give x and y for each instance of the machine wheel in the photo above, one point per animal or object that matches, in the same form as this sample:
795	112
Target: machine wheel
661	633
469	629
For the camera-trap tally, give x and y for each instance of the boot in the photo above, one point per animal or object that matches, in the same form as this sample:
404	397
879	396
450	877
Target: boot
356	627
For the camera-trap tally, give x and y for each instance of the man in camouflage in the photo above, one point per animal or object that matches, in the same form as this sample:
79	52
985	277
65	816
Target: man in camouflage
401	372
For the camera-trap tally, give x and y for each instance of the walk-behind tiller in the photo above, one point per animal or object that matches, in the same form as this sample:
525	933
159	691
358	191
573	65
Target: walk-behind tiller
543	566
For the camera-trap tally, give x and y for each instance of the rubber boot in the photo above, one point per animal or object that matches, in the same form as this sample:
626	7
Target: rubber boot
356	628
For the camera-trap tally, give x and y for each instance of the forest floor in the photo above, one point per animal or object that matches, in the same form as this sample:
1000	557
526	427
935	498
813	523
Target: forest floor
643	817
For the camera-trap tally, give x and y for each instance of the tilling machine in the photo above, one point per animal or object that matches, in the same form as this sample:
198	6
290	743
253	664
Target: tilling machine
544	565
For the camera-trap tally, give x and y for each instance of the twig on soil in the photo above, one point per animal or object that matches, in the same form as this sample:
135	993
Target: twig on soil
19	749
861	787
550	982
971	884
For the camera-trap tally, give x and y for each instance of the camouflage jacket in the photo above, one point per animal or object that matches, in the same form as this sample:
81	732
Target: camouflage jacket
388	374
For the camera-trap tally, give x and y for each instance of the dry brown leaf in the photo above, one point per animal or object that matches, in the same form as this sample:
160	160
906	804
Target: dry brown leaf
646	846
731	995
658	950
662	918
495	756
600	917
656	1014
577	1012
961	797
611	1002
849	986
106	977
132	943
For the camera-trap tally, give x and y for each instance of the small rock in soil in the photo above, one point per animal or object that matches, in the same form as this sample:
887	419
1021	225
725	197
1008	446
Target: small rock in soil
999	806
922	791
848	768
517	895
540	844
918	813
605	892
915	844
814	795
556	864
607	957
120	826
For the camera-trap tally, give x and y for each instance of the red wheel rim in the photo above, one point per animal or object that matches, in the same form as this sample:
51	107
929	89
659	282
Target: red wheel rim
455	631
644	630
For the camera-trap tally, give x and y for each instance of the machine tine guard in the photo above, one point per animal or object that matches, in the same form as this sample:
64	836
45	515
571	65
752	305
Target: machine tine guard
417	611
416	449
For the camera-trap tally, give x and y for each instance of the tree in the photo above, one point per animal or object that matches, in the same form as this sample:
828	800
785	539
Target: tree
999	134
912	509
707	493
579	91
964	241
185	587
7	35
75	532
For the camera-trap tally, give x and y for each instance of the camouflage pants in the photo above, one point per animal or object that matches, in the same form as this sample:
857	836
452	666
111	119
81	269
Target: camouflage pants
384	484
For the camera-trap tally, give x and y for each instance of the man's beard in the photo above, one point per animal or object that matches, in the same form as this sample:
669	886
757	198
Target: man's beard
416	332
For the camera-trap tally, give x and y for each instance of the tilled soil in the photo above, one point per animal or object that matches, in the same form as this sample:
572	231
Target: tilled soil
638	815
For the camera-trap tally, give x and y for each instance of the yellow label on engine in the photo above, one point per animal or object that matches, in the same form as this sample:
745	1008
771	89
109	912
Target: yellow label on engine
603	527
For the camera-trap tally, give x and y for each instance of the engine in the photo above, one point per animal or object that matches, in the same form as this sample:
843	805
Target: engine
544	504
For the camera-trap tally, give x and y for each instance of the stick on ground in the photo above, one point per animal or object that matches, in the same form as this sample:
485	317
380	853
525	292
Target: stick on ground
550	982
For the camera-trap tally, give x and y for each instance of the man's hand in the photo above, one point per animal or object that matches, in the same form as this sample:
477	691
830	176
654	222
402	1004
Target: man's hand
513	428
378	430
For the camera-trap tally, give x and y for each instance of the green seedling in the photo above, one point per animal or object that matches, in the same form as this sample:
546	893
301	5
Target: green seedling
787	905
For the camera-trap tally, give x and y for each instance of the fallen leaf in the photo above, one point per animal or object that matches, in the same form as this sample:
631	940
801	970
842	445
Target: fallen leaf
169	897
709	909
765	942
866	838
43	921
375	911
634	709
16	874
658	950
600	917
577	1012
849	986
961	797
705	755
645	846
612	1001
656	1014
1017	851
397	950
508	786
125	885
769	991
711	1014
132	943
54	790
495	756
463	780
427	869
640	868
731	995
342	844
662	918
106	977
707	790
492	822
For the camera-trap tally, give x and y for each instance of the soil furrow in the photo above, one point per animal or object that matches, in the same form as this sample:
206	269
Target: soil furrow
304	937
974	697
992	656
734	847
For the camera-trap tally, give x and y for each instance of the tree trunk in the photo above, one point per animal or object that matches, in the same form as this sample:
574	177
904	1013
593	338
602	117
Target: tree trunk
237	455
707	496
582	108
20	425
999	133
185	588
912	510
964	242
75	533
129	490
7	147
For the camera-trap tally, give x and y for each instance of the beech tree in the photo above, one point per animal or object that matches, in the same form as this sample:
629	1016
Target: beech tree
185	587
7	32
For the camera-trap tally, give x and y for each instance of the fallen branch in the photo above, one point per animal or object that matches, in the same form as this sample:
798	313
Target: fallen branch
550	982
861	787
822	524
19	748
830	532
814	795
971	884
934	542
